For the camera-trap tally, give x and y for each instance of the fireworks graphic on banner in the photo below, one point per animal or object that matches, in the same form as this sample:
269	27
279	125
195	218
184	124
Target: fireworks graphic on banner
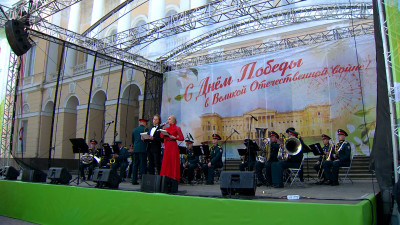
342	92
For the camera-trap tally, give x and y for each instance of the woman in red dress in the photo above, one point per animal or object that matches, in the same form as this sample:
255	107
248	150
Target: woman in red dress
170	166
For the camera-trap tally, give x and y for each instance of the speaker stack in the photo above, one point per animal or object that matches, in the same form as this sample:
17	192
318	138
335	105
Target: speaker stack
34	176
156	183
242	183
106	178
17	36
10	173
59	175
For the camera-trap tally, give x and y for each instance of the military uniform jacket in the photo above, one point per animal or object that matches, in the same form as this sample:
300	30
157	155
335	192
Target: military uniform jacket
93	152
274	148
138	145
345	151
216	155
191	158
123	155
326	149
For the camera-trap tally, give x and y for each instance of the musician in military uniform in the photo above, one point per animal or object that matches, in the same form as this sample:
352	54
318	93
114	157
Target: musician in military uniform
291	161
249	159
139	151
215	160
318	165
271	157
121	160
341	157
191	162
106	154
90	164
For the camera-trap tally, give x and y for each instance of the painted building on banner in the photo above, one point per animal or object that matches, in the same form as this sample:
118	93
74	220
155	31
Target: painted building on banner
312	121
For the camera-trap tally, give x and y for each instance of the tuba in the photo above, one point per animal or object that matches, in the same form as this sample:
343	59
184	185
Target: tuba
261	136
89	158
292	146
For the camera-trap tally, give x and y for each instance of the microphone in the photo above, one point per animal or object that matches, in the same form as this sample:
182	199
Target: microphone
110	122
191	136
235	131
253	117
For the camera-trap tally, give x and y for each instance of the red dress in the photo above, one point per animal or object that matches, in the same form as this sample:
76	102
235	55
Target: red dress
170	166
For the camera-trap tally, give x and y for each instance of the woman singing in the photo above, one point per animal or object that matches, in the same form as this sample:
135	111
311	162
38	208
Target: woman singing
171	164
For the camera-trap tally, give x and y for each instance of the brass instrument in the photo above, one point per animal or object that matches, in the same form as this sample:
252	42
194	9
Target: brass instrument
333	146
292	146
261	137
281	152
89	158
265	155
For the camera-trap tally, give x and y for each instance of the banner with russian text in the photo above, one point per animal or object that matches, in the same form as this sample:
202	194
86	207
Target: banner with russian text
316	89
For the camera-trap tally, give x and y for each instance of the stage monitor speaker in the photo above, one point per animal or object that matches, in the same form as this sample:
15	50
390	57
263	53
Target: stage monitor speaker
10	173
34	176
106	177
242	183
169	185
17	37
150	183
59	175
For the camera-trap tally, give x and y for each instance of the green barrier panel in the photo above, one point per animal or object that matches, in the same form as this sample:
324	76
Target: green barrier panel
59	204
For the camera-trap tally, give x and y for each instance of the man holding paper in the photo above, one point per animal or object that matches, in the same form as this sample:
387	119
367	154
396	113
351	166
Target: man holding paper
153	140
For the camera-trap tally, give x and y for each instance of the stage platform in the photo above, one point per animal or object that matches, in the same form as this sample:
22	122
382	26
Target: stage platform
195	204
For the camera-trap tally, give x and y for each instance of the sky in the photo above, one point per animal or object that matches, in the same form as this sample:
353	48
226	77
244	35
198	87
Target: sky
7	3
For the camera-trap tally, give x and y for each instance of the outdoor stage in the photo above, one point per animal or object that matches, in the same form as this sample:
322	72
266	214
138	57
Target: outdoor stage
194	204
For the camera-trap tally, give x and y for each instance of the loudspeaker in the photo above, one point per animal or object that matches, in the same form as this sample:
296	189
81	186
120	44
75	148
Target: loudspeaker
169	185
34	176
106	177
242	183
17	37
150	183
10	173
59	175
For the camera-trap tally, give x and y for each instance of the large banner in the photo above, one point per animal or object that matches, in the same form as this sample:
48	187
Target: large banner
392	8
315	89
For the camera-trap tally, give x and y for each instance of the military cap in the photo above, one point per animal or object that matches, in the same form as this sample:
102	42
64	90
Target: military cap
273	133
189	140
117	141
341	132
216	136
324	136
143	120
93	141
290	129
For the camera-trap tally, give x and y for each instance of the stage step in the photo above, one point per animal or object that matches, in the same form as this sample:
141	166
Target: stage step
359	169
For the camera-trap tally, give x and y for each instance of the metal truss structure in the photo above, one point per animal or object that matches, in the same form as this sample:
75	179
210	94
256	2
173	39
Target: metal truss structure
269	21
9	111
272	46
212	13
233	18
38	10
43	29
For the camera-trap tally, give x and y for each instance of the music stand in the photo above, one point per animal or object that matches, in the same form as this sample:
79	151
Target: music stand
182	150
316	149
115	149
197	150
79	146
242	151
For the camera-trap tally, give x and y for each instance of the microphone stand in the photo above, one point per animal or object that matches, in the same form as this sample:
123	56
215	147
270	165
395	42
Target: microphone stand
248	142
225	148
